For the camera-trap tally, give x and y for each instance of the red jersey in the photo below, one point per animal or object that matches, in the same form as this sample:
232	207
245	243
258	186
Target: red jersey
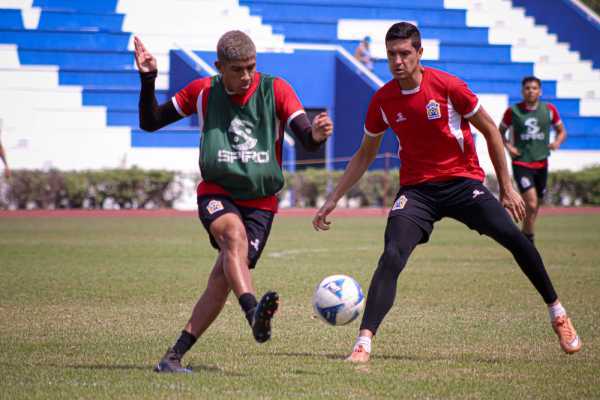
194	99
507	123
430	123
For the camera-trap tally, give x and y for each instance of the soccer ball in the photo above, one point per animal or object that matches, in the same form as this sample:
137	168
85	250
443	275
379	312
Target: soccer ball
338	300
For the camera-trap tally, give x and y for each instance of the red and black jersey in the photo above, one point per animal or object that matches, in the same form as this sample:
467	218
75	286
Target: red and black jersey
430	123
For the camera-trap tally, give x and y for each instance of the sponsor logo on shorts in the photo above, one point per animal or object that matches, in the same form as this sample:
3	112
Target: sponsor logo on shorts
433	110
400	203
254	243
525	182
477	192
214	206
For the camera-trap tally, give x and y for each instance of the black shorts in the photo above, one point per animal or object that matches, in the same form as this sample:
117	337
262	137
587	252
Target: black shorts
527	178
257	222
465	200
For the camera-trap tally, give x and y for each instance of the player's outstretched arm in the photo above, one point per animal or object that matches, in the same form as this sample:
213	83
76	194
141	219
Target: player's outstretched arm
354	171
509	197
152	116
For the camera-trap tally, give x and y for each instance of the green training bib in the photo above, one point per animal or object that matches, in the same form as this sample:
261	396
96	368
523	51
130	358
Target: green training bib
238	149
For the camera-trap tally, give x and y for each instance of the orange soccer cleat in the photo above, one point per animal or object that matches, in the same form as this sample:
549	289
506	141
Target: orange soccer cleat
567	336
359	355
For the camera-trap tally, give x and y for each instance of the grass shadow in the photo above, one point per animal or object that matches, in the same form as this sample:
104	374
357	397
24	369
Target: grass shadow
130	367
395	357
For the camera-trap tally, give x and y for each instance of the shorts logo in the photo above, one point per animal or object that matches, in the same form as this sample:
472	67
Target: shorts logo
525	182
433	110
214	206
400	203
254	243
477	192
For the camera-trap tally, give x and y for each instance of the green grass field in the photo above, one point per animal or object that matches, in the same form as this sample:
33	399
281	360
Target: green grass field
88	305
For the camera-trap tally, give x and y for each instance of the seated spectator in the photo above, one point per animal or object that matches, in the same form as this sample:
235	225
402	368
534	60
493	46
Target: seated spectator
363	53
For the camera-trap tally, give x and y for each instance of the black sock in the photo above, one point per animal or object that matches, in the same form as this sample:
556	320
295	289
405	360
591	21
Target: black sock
184	343
248	303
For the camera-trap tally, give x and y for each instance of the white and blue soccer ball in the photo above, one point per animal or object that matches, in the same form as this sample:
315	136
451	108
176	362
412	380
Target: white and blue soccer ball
338	300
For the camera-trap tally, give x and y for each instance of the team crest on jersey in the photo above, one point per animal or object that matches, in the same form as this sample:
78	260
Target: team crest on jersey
214	206
433	110
400	203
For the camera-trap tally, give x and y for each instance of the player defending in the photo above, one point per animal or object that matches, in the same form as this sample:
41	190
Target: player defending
429	111
529	146
242	116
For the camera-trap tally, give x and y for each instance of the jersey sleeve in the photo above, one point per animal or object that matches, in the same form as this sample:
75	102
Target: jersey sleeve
507	118
375	121
554	115
287	104
186	100
464	101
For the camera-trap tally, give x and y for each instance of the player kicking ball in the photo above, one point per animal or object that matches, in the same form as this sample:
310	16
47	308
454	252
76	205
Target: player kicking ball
242	116
430	111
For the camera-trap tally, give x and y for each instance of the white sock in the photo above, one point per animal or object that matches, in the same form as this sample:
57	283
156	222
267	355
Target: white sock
365	342
556	311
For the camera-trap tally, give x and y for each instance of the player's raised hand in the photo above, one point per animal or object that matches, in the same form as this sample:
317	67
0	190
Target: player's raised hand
320	222
322	127
144	60
513	202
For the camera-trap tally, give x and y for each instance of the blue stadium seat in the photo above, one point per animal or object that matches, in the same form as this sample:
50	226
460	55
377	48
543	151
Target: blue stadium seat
467	53
117	98
72	20
11	19
182	137
130	117
115	78
96	6
300	10
82	59
61	40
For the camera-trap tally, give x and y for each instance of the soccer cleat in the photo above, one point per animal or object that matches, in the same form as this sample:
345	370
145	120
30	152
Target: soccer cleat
567	336
171	363
359	355
261	323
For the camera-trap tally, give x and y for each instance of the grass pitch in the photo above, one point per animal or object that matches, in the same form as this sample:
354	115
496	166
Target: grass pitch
88	306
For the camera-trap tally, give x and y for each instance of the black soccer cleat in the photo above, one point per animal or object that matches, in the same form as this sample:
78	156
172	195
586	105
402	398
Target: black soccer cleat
261	323
171	363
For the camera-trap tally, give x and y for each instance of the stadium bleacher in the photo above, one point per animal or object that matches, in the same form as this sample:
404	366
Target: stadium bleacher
70	89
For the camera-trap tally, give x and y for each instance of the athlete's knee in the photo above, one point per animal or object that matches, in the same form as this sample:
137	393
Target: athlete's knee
511	237
231	238
394	258
531	205
502	229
